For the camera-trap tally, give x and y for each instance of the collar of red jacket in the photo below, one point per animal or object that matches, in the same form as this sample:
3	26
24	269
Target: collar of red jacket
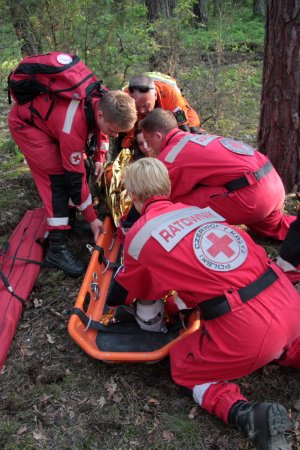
154	199
170	135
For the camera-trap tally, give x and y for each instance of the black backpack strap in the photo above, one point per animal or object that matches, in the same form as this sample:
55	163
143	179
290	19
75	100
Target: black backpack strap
8	88
34	112
92	91
50	109
89	113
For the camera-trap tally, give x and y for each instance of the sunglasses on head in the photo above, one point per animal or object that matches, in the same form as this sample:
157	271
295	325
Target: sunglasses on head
142	89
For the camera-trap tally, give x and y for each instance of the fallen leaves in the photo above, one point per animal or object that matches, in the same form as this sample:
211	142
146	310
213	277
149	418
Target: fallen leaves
101	402
112	391
50	339
154	401
37	303
38	436
168	436
297	405
194	412
111	387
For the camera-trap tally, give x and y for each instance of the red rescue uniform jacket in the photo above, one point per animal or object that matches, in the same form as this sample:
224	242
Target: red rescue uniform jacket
230	176
196	253
53	138
152	265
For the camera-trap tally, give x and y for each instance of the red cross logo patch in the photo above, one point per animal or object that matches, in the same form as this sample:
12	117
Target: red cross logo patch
75	158
237	147
219	247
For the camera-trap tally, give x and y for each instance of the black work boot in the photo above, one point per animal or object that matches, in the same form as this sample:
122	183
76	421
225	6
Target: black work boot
264	423
78	224
59	256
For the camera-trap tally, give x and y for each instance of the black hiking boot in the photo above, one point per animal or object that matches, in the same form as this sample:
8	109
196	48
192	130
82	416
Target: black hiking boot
60	257
78	224
264	423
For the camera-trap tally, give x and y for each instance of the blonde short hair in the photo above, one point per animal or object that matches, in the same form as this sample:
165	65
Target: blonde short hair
146	178
119	108
159	120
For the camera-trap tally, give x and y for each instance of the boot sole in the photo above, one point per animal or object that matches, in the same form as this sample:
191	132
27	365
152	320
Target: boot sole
272	438
56	266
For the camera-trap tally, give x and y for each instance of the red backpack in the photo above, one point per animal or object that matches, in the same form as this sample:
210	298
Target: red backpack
56	73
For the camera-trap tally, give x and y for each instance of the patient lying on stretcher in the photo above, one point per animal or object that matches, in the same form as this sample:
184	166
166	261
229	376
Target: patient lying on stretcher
117	198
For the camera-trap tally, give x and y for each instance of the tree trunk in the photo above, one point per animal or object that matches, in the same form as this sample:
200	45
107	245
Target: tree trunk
157	8
30	44
160	9
216	8
200	11
279	135
259	7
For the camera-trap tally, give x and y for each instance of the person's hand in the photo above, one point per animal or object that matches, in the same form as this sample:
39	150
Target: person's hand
97	228
98	170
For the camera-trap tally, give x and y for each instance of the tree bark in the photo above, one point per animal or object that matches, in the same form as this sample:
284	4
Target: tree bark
279	131
30	44
157	8
259	7
200	11
216	8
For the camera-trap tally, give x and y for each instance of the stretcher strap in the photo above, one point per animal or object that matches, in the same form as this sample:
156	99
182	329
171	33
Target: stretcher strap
31	261
243	181
218	306
10	289
6	248
111	328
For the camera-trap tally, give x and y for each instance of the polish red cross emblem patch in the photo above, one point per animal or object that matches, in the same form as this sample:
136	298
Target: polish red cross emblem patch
219	247
75	158
237	147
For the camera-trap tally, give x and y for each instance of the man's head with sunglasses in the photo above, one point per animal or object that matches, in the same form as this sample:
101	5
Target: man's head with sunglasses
142	90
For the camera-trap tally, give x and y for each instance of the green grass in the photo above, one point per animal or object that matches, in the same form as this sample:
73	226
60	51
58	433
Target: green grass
15	436
234	29
229	95
8	199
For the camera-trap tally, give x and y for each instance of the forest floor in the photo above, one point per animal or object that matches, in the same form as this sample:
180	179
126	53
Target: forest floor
54	396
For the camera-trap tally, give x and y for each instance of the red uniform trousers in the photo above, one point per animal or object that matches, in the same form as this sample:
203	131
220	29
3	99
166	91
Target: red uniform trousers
44	160
55	157
250	205
229	347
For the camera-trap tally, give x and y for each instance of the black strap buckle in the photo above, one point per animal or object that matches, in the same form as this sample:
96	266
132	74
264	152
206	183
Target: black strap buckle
241	182
218	306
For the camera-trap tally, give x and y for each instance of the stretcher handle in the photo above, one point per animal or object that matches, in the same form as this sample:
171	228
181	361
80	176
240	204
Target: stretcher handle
102	259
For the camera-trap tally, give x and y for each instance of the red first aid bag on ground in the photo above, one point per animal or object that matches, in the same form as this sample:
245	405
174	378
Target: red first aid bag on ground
17	274
56	73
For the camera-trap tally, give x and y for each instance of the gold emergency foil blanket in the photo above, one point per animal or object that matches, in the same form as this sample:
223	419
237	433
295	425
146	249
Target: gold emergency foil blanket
117	198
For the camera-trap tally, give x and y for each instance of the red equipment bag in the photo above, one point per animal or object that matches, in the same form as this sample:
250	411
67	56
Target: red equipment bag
17	274
58	73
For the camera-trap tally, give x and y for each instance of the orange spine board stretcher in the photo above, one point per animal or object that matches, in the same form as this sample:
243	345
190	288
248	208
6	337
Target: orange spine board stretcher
93	303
